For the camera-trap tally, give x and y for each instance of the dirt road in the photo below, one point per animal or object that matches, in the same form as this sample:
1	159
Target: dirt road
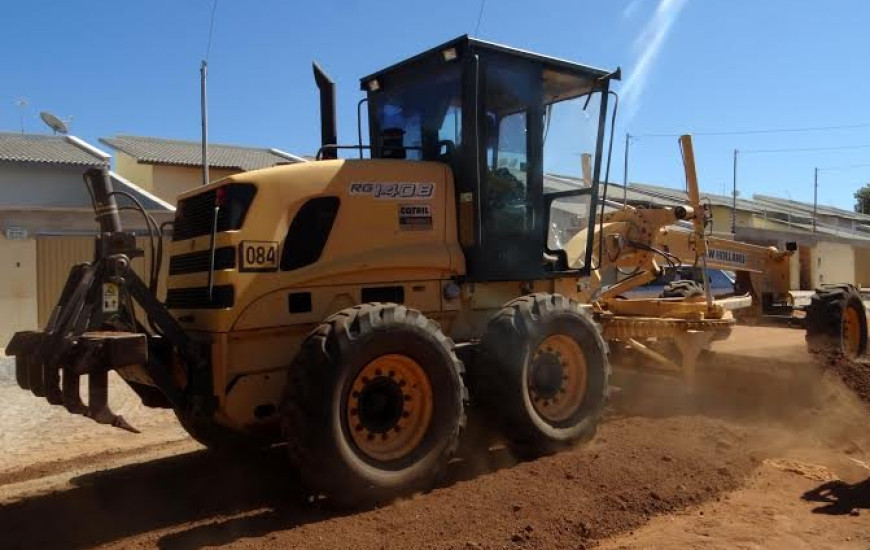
764	453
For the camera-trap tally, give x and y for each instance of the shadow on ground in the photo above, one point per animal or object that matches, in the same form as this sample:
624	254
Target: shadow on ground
840	498
113	504
200	500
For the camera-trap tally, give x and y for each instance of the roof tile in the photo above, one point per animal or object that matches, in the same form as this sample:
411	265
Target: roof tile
46	149
150	150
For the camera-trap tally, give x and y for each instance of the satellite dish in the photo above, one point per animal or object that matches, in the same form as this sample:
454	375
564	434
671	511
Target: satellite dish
53	122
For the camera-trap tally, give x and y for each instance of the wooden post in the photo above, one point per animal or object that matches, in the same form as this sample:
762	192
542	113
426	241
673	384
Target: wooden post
700	214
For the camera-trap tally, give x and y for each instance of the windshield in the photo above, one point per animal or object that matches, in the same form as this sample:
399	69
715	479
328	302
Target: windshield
570	132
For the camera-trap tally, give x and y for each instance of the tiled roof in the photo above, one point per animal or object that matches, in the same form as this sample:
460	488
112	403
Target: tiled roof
682	196
805	208
554	182
150	150
45	149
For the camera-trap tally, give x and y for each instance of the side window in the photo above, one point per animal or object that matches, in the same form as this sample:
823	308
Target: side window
511	157
570	132
308	233
569	216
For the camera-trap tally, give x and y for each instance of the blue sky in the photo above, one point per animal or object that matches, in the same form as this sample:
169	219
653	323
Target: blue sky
690	65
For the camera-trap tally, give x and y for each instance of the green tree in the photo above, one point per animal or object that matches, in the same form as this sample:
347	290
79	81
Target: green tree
862	199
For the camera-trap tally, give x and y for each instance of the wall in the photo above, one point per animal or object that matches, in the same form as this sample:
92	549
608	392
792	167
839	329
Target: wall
42	185
794	271
130	169
722	219
171	181
862	266
18	288
71	222
832	263
760	222
165	181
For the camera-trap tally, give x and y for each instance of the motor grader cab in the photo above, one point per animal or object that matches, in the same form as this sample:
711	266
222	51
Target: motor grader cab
354	310
485	111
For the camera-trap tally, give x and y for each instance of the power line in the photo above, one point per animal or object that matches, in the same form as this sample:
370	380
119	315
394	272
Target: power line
805	149
843	167
759	131
479	17
210	29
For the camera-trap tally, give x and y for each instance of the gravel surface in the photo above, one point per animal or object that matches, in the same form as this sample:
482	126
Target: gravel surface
761	419
34	434
7	370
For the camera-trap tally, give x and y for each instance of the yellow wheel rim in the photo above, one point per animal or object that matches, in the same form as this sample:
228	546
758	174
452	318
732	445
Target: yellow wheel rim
389	407
851	332
557	378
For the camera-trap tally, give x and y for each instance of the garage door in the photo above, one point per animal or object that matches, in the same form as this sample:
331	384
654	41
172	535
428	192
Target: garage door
56	255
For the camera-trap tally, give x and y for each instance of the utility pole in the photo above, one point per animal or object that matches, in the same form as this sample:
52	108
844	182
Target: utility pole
815	196
625	171
734	197
203	73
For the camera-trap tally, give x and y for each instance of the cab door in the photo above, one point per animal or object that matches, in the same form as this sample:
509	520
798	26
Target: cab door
511	175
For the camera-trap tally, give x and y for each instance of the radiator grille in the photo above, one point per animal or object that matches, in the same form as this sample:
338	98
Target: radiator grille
223	296
195	262
195	215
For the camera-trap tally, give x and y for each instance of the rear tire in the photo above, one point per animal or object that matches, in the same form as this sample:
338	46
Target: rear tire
836	321
543	373
682	289
374	406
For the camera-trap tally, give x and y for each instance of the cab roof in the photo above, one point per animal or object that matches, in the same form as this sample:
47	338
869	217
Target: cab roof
465	44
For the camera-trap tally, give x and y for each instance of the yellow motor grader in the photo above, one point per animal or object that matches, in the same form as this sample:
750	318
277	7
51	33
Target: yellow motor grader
355	309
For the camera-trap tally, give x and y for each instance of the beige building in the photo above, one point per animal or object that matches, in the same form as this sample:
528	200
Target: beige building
168	167
47	222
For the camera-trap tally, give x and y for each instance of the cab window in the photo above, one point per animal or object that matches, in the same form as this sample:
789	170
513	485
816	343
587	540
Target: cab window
420	120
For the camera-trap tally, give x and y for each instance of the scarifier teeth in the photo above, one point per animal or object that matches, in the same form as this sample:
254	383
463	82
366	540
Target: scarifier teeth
124	425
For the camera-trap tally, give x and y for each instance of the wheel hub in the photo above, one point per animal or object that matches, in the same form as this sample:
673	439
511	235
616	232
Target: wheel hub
389	407
557	378
380	404
547	375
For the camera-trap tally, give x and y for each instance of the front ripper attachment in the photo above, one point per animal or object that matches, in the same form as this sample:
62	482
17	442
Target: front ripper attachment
93	354
93	329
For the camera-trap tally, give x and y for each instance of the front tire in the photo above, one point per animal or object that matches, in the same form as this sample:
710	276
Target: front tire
374	405
543	373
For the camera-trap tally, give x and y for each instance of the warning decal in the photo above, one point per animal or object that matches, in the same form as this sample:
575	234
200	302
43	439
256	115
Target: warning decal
111	301
415	217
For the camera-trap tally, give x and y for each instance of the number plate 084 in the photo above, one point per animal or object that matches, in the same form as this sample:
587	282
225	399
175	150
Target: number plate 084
259	256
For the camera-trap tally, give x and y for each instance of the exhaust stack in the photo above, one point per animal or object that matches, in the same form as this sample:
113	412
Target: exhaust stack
328	129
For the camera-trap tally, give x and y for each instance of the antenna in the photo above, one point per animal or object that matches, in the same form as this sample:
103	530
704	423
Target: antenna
22	103
54	122
203	105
